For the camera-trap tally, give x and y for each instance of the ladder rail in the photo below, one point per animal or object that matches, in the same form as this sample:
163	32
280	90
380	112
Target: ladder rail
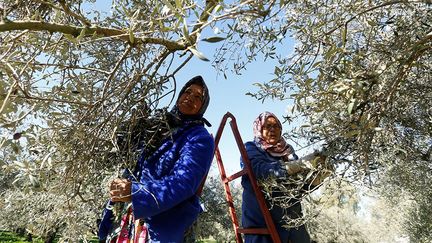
228	196
271	228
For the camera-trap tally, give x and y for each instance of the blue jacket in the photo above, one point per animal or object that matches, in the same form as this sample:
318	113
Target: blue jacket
264	165
165	184
165	193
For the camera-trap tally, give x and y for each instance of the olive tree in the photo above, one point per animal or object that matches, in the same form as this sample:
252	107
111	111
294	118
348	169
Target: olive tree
216	221
349	212
71	78
359	81
361	78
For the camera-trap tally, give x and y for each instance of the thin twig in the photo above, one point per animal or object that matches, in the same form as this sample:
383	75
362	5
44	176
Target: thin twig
116	67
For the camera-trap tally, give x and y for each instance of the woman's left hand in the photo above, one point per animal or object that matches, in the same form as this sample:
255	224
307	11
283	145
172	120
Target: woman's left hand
120	190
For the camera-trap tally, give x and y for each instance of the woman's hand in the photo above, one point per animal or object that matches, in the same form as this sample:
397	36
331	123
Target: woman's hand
120	190
297	166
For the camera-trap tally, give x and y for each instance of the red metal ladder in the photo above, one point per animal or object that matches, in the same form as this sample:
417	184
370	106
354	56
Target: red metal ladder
247	170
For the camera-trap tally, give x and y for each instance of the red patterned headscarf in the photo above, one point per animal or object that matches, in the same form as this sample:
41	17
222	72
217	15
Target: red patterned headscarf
281	149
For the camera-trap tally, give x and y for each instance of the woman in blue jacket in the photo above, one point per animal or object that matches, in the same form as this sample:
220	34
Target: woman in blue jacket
271	156
162	191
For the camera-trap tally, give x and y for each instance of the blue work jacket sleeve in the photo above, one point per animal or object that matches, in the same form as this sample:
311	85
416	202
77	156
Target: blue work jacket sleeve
151	197
263	165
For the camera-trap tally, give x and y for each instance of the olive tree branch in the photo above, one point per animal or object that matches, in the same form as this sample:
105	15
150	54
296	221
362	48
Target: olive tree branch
67	10
123	35
114	70
62	66
232	14
127	91
11	71
364	12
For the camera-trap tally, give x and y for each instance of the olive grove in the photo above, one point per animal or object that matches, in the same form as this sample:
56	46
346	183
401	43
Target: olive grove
72	77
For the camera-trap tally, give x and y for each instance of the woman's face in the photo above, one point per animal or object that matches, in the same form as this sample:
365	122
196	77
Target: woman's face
271	131
191	100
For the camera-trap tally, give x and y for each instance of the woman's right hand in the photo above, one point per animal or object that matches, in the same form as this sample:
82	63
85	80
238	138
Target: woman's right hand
120	190
297	166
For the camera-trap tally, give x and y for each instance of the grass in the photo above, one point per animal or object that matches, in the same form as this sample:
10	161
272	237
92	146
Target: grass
6	237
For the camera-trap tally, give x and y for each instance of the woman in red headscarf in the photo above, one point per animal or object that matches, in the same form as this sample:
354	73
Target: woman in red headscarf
271	157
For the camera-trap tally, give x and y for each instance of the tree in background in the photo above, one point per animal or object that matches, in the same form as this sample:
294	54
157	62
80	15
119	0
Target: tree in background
215	221
347	212
359	78
410	182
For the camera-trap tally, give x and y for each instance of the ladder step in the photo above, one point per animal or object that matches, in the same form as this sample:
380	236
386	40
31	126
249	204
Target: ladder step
234	176
258	231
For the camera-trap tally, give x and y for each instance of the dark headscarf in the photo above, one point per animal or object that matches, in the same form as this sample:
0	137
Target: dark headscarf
198	80
148	132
